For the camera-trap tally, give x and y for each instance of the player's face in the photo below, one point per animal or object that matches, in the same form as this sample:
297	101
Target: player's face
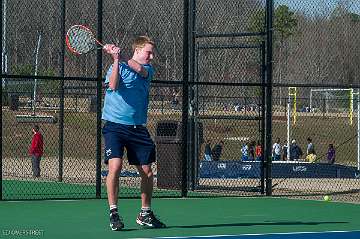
146	54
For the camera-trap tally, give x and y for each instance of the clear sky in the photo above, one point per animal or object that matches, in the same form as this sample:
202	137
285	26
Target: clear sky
319	6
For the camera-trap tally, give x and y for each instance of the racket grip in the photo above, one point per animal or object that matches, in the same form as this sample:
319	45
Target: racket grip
106	46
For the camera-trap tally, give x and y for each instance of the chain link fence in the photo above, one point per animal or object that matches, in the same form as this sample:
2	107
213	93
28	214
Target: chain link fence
315	52
316	49
332	125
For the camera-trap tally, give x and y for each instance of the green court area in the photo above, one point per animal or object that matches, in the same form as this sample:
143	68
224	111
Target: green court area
88	219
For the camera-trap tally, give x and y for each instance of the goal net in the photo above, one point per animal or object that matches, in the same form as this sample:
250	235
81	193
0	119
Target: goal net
332	100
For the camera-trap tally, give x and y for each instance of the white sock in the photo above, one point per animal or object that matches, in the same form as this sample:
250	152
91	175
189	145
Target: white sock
113	207
145	210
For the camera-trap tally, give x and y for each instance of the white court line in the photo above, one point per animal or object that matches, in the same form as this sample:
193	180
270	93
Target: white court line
256	234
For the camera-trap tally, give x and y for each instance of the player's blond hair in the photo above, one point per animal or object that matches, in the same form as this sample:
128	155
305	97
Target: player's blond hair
141	41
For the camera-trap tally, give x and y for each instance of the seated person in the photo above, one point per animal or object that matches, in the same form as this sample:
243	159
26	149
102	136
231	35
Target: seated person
311	158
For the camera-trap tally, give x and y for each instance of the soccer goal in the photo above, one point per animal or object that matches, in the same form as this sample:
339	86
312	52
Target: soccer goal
291	113
340	101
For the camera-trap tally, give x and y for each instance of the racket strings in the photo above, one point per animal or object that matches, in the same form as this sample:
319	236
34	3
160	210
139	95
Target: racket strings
81	40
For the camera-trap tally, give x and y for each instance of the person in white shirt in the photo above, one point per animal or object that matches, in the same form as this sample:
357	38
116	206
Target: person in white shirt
245	152
276	150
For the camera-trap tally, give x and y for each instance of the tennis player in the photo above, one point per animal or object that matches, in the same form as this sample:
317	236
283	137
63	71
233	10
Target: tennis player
125	115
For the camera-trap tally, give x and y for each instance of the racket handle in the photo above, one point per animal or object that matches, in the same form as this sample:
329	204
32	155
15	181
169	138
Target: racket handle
105	46
99	43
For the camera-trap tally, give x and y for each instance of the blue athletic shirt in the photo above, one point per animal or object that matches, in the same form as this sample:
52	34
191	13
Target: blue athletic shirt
128	103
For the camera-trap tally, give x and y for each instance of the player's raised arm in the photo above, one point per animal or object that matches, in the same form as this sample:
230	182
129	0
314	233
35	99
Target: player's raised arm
114	51
136	66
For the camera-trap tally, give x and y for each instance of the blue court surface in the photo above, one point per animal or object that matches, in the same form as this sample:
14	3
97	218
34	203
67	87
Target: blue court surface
295	235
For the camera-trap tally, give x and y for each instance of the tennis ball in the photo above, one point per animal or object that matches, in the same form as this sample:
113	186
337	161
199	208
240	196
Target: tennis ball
326	198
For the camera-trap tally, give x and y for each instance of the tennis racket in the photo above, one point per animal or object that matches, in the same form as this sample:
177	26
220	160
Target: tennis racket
81	40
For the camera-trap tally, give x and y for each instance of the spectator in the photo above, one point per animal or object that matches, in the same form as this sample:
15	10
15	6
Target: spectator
245	152
310	147
276	150
258	151
207	153
217	150
36	150
252	151
284	150
331	154
295	151
310	151
175	98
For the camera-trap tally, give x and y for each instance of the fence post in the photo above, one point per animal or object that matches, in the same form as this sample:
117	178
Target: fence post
61	94
98	101
263	100
1	61
185	97
269	65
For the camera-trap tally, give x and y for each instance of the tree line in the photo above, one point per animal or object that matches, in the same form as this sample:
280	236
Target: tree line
308	47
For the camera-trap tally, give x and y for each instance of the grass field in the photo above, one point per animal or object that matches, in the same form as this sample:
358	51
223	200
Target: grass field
80	133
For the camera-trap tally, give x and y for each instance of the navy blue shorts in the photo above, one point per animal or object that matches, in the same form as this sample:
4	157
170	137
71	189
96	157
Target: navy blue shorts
139	146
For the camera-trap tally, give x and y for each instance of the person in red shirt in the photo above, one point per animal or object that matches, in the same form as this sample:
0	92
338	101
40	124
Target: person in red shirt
36	150
258	151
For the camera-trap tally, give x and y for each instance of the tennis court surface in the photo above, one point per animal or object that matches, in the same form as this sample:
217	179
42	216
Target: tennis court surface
225	218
